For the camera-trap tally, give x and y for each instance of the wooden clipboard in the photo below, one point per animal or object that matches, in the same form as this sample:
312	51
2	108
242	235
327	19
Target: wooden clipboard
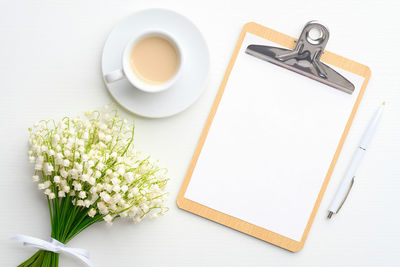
241	225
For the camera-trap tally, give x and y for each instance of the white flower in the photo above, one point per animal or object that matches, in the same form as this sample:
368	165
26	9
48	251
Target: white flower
38	166
71	131
85	136
135	191
102	208
87	203
105	197
137	219
57	179
108	218
129	177
157	201
48	168
94	197
108	138
113	207
115	181
92	212
82	194
74	173
101	205
116	188
85	158
77	186
59	159
93	190
121	171
64	173
117	198
92	181
41	186
99	187
66	163
155	188
80	142
56	139
85	177
108	187
47	184
89	171
78	167
66	189
100	166
97	174
82	159
67	153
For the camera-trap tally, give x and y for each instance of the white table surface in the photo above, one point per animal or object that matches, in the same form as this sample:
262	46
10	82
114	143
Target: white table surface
50	66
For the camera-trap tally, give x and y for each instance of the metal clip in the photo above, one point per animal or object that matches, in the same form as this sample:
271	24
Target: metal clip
305	58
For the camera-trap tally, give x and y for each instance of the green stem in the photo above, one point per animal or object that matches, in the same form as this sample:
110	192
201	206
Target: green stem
65	207
47	259
79	219
85	224
39	261
31	259
69	221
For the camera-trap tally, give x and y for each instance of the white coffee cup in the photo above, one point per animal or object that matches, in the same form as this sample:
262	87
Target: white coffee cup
128	73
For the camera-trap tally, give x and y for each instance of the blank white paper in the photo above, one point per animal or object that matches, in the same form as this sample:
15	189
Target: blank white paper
270	145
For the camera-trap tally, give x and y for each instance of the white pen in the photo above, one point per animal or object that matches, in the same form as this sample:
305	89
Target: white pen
348	180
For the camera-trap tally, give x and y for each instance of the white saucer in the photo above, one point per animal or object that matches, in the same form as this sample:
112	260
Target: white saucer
187	88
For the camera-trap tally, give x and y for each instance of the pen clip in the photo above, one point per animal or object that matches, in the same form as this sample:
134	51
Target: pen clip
345	197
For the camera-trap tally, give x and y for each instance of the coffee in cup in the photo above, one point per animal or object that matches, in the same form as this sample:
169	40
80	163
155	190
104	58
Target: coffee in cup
151	62
154	60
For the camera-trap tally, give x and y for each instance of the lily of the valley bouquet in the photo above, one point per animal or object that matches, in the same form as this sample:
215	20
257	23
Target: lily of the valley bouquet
90	172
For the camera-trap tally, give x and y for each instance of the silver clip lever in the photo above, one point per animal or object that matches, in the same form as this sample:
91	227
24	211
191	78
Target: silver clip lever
305	58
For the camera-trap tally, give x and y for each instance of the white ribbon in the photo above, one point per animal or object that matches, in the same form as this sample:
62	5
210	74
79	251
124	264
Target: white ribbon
54	246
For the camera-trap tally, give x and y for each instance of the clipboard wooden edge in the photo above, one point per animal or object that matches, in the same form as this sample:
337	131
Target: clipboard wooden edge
235	223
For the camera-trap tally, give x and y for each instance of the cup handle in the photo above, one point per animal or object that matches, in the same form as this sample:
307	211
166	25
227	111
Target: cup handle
114	76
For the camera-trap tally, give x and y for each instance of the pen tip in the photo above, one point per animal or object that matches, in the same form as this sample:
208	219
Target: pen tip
330	214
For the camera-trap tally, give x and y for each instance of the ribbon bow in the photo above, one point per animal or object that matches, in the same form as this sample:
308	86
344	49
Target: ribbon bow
54	246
